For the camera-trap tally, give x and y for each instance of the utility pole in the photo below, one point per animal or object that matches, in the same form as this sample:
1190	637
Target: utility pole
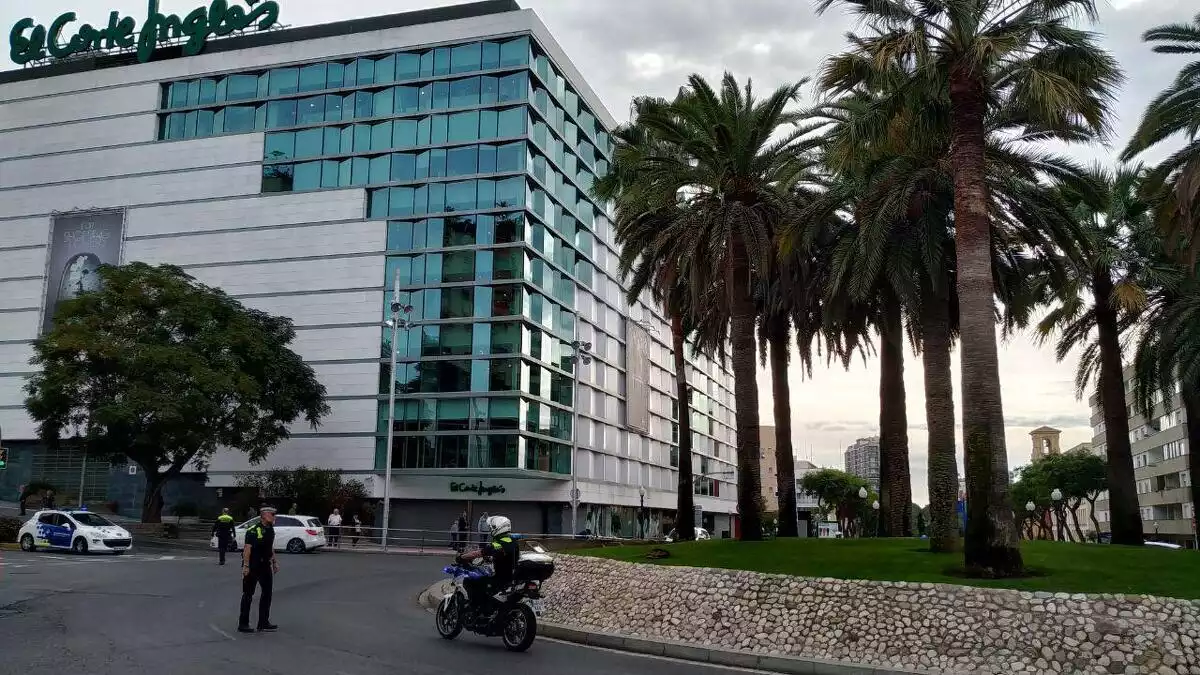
395	323
580	355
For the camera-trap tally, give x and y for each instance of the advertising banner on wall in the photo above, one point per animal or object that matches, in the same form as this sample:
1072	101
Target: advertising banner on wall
637	379
80	242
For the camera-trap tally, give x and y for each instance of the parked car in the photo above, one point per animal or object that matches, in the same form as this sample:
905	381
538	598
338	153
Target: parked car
701	535
78	531
294	534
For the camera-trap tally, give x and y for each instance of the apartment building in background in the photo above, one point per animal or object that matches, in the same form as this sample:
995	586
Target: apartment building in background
862	460
1160	464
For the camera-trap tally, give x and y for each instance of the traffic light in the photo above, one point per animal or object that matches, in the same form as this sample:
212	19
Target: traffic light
3	458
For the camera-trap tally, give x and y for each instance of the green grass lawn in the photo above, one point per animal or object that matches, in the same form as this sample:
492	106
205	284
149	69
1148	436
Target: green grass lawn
1075	568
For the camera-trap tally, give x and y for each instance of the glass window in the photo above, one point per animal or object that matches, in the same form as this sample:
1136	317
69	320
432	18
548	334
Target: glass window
408	99
380	169
489	89
176	95
437	129
284	81
279	146
509	228
436	195
365	72
401	202
307	176
360	171
464	92
425	97
506	338
459	231
441	61
441	95
423	127
333	108
515	52
172	126
404	166
362	137
381	136
481	339
364	104
400	233
446	376
453	414
312	78
238	119
510	192
504	375
487	158
511	122
511	157
462	161
204	122
277	178
460	196
383	102
331	173
458	303
514	87
491	56
427	64
465	58
385	70
311	110
408	66
506	301
404	133
509	264
239	87
463	126
208	92
487	124
458	266
333	140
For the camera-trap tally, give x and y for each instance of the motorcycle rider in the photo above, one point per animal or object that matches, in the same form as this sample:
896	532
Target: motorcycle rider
502	552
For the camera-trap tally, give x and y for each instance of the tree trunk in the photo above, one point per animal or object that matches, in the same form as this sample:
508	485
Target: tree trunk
991	543
1075	520
895	481
939	418
152	501
1126	518
743	320
1191	409
1092	515
685	515
785	462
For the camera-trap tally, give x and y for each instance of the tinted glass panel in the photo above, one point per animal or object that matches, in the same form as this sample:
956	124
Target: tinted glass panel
465	58
284	81
312	78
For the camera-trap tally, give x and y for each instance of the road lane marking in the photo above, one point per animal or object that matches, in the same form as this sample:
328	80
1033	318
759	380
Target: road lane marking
221	632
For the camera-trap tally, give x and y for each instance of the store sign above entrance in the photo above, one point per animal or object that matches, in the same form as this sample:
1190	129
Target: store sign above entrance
32	42
477	488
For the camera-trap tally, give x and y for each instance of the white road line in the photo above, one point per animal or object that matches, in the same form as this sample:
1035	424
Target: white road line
698	664
221	632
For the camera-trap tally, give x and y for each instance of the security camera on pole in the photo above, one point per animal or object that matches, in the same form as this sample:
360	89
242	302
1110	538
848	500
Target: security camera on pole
580	355
395	323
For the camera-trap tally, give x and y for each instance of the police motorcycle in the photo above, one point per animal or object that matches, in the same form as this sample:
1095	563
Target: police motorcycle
512	613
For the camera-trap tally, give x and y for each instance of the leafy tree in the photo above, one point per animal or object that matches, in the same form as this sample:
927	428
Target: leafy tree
162	370
985	53
1106	291
1086	478
837	492
1031	486
312	489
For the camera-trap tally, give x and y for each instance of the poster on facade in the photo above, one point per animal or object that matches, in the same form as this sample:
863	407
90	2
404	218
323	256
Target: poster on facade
637	379
80	242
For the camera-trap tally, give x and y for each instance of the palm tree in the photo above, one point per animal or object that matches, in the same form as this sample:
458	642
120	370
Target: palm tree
729	175
985	53
1176	112
1089	312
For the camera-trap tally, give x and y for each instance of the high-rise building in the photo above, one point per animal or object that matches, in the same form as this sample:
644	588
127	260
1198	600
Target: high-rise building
768	468
1160	465
308	171
862	460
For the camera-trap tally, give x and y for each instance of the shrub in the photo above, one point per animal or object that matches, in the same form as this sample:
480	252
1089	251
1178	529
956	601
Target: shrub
8	529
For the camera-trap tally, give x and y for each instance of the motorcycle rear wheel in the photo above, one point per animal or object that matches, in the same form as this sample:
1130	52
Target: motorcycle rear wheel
449	617
519	628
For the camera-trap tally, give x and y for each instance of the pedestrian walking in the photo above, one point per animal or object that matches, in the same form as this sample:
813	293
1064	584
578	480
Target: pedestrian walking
295	509
462	531
484	532
251	513
334	527
223	531
259	567
356	532
48	500
21	499
454	535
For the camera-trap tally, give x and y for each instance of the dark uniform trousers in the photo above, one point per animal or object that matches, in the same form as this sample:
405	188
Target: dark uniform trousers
222	546
260	576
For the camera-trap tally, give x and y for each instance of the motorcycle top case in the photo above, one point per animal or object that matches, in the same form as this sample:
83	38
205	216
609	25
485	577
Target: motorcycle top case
534	567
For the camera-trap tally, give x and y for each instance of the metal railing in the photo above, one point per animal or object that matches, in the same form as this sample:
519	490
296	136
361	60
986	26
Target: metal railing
443	541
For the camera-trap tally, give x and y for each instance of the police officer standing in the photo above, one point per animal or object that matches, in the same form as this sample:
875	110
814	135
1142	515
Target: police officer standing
258	567
223	529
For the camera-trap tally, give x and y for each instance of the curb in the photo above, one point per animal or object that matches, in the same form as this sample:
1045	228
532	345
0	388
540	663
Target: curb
429	598
6	546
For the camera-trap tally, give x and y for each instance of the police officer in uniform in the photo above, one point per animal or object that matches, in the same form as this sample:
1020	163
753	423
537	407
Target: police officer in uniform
223	529
258	567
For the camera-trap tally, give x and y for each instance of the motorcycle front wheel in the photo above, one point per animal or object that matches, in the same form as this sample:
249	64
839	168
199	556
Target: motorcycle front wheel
449	617
519	628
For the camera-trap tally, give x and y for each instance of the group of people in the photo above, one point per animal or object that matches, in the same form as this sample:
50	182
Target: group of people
460	533
48	500
333	529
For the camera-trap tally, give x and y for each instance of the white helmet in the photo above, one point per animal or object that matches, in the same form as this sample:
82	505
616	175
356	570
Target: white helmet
499	525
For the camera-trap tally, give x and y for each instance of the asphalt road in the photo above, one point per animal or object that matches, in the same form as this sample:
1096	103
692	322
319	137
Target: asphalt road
158	611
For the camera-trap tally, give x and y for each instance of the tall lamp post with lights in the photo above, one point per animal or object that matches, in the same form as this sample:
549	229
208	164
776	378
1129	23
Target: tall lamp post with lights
396	323
580	355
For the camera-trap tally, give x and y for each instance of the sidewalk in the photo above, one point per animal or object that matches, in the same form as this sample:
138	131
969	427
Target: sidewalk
430	597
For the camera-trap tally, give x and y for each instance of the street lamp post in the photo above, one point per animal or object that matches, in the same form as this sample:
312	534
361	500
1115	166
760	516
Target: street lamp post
1030	507
395	323
878	525
642	512
1056	496
862	494
580	355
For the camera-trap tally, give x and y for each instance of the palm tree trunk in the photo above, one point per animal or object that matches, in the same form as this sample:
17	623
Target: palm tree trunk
743	319
991	542
1075	520
939	418
785	462
895	481
1191	408
1122	489
685	515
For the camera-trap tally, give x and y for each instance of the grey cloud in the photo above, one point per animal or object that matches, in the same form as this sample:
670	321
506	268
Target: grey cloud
1052	420
854	426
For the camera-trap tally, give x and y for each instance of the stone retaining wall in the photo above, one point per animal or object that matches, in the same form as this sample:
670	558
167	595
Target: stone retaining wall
932	627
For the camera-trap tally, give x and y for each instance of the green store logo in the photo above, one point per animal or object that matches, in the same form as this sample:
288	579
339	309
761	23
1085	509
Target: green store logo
29	41
477	488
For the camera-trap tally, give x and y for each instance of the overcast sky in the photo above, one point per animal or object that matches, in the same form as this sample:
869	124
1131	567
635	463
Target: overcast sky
637	47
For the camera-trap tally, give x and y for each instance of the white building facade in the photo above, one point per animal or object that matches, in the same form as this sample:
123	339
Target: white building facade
304	171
